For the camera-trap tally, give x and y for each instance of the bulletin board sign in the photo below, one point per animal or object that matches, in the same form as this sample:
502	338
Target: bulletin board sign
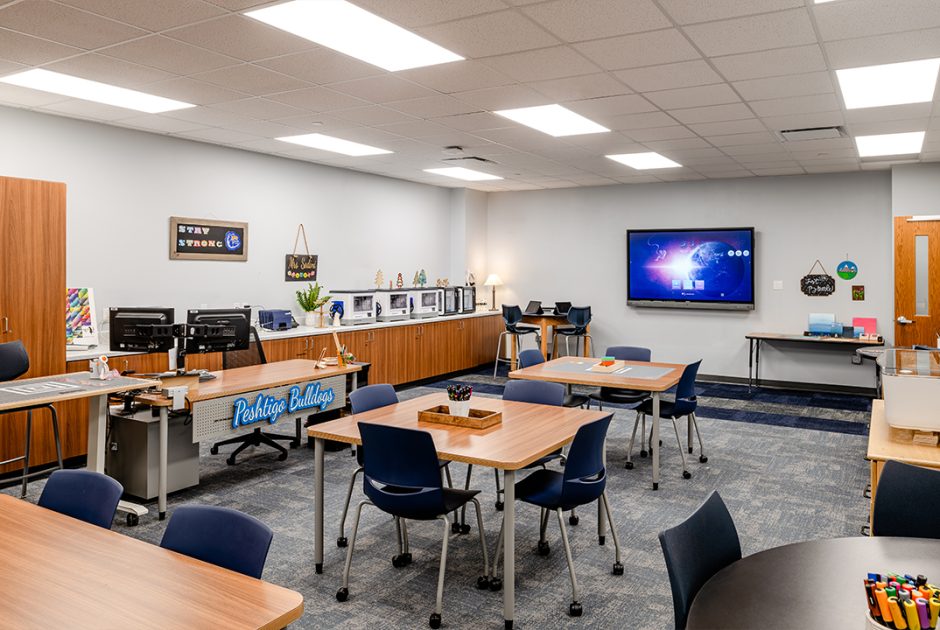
207	239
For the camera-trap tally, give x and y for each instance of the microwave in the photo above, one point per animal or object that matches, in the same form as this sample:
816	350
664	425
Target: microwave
451	300
468	299
426	302
391	305
358	307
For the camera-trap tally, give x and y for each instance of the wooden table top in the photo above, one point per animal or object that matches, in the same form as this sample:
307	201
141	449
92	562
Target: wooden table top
550	318
526	433
62	387
60	572
763	336
887	443
549	371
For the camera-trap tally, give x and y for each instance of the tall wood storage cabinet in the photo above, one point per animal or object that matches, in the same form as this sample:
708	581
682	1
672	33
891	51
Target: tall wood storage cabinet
32	305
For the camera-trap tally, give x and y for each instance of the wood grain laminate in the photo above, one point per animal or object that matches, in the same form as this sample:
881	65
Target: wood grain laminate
254	377
60	572
526	433
544	372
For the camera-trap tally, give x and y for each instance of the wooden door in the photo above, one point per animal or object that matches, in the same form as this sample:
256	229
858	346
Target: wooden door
916	281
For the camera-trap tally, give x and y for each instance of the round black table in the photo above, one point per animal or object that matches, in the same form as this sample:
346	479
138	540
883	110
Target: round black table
815	584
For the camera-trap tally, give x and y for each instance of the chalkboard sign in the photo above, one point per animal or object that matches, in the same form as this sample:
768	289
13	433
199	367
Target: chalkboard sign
205	239
818	284
300	267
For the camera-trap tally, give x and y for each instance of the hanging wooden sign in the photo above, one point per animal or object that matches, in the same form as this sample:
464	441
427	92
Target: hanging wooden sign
206	239
300	267
818	284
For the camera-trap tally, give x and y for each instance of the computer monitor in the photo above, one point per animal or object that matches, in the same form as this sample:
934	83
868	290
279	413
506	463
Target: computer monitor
217	330
562	308
534	308
141	329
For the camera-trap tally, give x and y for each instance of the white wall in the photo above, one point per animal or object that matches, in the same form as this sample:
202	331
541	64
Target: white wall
124	185
915	189
570	245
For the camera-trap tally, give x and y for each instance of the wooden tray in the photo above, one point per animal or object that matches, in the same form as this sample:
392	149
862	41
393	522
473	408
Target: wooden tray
607	369
478	419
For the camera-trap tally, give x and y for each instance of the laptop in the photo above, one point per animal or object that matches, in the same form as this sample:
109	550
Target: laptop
562	308
533	308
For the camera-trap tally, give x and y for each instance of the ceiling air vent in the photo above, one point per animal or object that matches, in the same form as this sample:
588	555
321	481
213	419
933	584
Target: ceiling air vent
812	133
468	158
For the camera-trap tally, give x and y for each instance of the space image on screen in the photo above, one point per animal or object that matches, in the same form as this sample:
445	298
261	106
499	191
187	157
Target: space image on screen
695	268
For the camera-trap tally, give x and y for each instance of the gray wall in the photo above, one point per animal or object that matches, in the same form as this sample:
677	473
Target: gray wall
570	244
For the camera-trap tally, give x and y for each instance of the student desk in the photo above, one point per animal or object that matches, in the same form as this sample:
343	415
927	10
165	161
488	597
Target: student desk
215	404
60	572
887	443
544	322
654	378
526	433
756	338
815	584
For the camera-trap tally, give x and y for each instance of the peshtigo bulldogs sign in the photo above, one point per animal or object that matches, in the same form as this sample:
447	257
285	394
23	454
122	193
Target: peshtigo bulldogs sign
270	408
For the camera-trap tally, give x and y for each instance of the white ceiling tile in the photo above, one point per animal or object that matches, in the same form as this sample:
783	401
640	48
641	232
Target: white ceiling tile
643	49
108	70
169	55
31	50
691	11
823	154
681	143
488	35
153	16
581	20
317	123
318	99
546	63
24	97
264	145
192	91
160	124
713	113
9	67
777	172
888	126
661	133
88	110
508	97
640	121
862	18
796	105
740	139
804	121
372	115
679	175
383	88
423	12
782	87
602	143
321	66
832	168
264	129
65	25
755	149
883	114
894	48
771	63
241	37
748	125
753	33
221	136
251	80
238	5
700	96
824	144
260	108
208	116
459	76
597	108
419	129
433	106
475	122
670	76
580	88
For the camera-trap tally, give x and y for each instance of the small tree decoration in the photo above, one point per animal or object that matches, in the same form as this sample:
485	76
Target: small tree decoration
379	279
423	278
416	281
399	282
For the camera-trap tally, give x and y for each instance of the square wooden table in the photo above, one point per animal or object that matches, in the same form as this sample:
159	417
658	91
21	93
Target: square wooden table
526	433
654	378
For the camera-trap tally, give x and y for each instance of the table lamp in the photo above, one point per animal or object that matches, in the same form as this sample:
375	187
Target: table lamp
493	280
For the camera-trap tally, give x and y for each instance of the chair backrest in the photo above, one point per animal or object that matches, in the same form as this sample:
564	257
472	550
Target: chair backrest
401	474
562	308
685	390
83	494
530	357
512	315
585	476
579	316
14	361
536	392
253	355
906	502
372	397
629	353
696	549
221	536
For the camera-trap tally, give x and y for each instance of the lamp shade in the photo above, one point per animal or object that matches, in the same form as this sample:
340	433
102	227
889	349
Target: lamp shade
493	280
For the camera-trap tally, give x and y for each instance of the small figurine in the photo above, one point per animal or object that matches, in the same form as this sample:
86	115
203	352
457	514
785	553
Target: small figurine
379	279
399	282
471	280
423	278
416	281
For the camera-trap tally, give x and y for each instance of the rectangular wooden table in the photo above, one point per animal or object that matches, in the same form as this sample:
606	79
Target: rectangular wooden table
526	433
755	340
60	572
645	377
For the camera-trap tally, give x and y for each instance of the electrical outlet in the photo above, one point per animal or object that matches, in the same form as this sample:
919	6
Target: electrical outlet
778	285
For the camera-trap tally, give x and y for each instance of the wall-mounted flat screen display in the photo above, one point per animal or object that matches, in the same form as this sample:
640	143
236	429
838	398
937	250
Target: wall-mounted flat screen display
691	268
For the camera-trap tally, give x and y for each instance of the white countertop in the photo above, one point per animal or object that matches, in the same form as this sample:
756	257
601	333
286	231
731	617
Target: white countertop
300	331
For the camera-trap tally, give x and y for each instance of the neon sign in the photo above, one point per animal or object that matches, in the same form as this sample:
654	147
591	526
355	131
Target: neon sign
271	408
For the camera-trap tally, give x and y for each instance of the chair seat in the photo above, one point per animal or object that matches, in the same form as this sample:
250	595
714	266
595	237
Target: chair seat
620	396
523	329
542	488
573	331
667	409
454	499
575	400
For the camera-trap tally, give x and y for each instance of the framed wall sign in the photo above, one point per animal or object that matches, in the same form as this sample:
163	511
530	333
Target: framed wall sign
300	267
207	239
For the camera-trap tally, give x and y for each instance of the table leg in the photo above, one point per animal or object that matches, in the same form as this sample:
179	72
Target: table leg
757	362
750	363
318	504
654	447
544	326
512	353
587	348
509	548
97	427
161	487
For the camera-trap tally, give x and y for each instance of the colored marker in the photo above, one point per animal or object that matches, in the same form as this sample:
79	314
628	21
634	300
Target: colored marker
896	613
910	612
921	580
882	598
934	612
922	613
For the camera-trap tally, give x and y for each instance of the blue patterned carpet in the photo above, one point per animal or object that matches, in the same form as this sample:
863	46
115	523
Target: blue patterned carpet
790	466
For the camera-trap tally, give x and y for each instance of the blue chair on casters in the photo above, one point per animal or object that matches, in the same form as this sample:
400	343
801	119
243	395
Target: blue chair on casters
903	503
533	356
402	477
83	494
583	481
684	405
695	550
618	396
221	536
512	317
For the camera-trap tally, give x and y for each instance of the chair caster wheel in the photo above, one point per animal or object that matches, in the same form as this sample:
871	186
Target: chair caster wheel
574	519
499	506
628	465
435	620
132	520
214	450
282	457
686	474
401	560
230	460
644	453
690	450
543	548
464	529
703	459
342	542
575	610
295	444
483	583
618	568
342	594
496	584
601	540
455	528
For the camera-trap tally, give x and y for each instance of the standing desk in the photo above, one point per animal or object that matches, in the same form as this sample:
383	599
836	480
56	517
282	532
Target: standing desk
544	322
654	378
46	390
213	403
60	572
526	433
755	339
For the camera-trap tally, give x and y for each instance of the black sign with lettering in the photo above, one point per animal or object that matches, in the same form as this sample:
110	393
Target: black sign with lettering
204	239
300	268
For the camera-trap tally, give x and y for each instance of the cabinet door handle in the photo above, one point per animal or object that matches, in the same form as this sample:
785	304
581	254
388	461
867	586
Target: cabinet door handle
6	325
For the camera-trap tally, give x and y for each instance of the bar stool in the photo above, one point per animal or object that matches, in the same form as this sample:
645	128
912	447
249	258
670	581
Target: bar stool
512	316
14	363
579	317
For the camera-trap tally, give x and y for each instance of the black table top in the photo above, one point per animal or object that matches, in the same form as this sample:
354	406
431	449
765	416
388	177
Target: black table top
815	584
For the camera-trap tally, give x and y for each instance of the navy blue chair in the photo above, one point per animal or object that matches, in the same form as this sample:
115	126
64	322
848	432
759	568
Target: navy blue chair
220	536
695	550
684	404
512	317
583	481
533	356
83	494
628	397
402	477
905	502
579	317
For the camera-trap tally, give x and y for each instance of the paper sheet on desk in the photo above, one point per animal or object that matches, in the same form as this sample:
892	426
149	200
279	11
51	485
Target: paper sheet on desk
644	372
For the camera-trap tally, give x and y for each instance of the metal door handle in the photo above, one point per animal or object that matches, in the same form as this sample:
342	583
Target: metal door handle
6	325
904	320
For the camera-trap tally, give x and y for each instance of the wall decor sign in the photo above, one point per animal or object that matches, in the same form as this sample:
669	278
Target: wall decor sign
271	408
300	267
81	327
207	239
858	292
818	284
847	269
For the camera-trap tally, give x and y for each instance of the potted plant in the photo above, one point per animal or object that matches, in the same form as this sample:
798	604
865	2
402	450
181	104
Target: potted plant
310	301
459	396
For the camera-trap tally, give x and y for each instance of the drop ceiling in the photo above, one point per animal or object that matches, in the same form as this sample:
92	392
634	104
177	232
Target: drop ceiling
708	84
